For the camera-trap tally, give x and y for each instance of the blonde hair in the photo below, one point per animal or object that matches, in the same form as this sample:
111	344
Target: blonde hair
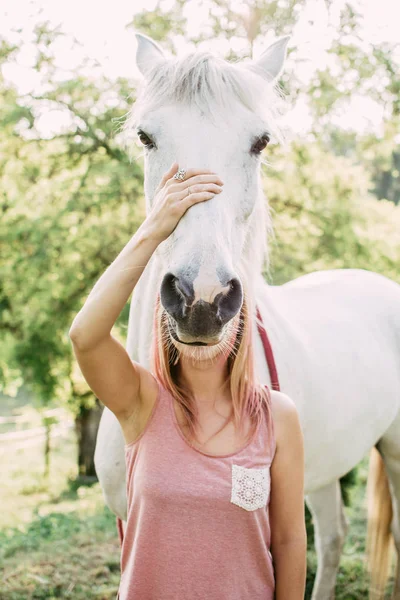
249	398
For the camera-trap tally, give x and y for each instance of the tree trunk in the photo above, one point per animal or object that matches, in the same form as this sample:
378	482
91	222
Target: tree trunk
86	425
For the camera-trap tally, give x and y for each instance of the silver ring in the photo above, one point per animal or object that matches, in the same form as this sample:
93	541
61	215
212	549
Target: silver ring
180	175
189	192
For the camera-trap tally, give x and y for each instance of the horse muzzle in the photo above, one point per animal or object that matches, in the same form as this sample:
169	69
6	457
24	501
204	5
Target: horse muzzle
199	321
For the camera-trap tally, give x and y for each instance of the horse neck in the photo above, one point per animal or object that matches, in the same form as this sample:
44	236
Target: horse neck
141	313
256	244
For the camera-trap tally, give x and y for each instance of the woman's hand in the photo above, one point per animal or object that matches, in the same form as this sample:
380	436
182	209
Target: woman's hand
173	198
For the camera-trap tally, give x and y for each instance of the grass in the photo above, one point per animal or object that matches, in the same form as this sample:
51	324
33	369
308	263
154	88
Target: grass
58	540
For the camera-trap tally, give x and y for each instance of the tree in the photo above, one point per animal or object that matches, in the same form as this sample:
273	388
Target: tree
324	216
70	203
72	198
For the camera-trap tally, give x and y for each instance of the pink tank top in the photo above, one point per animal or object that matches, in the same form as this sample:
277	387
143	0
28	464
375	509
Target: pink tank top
198	524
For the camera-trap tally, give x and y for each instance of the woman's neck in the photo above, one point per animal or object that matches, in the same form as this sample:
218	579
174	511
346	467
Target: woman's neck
206	380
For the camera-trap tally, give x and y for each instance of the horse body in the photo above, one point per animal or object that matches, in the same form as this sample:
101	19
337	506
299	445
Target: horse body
335	334
336	339
336	342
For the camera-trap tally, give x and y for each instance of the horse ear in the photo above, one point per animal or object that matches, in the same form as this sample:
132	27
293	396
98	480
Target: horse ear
270	63
148	53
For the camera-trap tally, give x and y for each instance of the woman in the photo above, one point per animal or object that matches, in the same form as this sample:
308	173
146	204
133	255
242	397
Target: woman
214	481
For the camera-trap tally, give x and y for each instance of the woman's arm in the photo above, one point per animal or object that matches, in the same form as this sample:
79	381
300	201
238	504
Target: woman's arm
288	531
105	364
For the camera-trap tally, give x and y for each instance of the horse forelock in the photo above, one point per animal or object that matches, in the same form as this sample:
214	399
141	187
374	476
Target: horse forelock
212	85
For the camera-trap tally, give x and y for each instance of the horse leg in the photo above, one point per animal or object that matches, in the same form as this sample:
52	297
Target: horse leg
330	528
389	447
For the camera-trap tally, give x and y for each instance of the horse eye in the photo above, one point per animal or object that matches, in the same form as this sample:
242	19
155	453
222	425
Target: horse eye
260	144
144	138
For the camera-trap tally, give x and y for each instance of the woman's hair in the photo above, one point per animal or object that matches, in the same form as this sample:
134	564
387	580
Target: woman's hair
249	398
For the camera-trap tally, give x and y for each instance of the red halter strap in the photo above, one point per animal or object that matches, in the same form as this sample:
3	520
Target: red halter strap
269	355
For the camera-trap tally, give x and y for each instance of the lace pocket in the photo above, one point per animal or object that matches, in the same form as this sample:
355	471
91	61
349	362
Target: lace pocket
250	487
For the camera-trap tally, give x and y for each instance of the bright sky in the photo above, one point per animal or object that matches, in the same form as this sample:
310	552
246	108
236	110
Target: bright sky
100	27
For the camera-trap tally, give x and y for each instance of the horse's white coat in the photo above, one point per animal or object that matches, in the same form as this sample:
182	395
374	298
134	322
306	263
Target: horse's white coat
335	334
207	285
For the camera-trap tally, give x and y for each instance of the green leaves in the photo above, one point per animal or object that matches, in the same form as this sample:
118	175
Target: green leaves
324	216
70	203
71	198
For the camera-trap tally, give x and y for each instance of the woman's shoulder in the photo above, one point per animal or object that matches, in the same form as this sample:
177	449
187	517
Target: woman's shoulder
281	403
284	413
150	392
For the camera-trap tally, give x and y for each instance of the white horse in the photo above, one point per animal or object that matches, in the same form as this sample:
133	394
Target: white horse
335	334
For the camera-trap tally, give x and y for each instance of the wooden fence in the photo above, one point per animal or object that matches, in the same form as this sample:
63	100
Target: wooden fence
23	438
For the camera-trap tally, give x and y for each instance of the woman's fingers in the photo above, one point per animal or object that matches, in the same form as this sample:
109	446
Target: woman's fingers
194	194
174	197
192	173
168	175
176	185
197	176
198	189
195	198
195	182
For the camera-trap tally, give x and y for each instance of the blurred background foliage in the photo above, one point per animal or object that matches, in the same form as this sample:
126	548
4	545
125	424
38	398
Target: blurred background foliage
71	199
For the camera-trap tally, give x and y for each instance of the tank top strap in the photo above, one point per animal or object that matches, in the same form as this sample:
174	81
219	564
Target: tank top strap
163	411
156	419
161	408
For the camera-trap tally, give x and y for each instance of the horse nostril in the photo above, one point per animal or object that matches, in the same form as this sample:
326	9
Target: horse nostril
185	288
176	294
168	291
230	303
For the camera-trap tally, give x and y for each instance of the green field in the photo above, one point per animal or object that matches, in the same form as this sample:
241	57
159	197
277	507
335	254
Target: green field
57	539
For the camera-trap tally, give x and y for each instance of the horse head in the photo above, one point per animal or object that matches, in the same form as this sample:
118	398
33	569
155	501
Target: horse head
205	112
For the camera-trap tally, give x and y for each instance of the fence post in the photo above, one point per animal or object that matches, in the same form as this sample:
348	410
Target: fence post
48	422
